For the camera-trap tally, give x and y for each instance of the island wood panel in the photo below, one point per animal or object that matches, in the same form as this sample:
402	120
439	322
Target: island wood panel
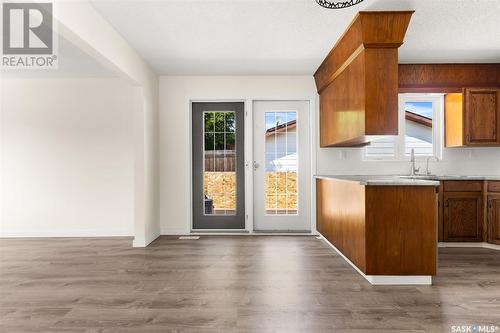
383	230
341	217
401	230
447	76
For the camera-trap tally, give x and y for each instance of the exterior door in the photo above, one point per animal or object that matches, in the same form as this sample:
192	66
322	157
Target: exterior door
218	165
282	164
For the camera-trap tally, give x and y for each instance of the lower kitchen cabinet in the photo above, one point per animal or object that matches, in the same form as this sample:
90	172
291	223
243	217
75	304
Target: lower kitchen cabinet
463	217
494	218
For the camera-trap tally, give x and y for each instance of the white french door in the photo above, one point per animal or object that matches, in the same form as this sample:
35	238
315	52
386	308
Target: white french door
281	166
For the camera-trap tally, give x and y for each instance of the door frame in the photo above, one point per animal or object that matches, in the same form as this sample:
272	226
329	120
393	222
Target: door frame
313	101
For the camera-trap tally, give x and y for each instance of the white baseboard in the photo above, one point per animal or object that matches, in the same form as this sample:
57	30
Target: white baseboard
385	279
83	233
469	244
145	242
175	231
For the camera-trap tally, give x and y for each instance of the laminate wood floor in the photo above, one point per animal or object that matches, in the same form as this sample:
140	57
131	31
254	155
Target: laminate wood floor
230	284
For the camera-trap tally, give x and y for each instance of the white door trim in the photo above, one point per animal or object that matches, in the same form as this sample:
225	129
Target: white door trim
248	102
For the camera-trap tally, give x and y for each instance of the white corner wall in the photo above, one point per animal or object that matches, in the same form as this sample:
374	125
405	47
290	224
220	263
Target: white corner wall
81	24
67	157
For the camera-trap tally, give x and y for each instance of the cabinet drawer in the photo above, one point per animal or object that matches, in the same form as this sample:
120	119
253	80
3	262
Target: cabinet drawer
463	186
494	186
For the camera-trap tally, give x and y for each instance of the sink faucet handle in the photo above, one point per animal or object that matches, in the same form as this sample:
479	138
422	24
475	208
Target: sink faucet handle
428	171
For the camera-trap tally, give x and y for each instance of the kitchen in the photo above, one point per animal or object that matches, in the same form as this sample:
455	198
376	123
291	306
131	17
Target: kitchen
388	228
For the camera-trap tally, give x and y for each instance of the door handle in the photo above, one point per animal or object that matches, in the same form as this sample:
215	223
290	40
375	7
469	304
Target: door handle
255	166
490	203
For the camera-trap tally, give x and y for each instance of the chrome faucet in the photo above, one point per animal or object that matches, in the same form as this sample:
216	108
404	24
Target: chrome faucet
427	171
414	169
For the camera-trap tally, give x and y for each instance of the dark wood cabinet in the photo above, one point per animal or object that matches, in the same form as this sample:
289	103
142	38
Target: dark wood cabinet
463	216
472	118
482	117
469	211
494	218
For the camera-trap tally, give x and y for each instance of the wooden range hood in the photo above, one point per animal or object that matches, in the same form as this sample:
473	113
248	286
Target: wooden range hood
358	80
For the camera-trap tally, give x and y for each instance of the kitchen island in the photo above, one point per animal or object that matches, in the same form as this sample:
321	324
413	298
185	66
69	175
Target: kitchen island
385	226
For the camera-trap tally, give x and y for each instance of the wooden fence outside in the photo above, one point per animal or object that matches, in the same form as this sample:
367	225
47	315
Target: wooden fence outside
220	160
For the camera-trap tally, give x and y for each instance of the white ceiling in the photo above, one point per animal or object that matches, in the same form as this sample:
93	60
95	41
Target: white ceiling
277	37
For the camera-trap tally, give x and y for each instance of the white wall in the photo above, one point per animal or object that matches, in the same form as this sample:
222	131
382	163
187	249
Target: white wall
67	157
81	24
175	95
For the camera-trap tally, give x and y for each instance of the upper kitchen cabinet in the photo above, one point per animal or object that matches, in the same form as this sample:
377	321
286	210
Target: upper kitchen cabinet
482	117
472	118
358	80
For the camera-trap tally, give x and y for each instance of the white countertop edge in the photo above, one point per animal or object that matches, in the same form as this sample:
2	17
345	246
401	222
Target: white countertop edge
383	181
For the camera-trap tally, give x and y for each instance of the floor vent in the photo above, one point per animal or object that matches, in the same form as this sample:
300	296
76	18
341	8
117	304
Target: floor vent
189	237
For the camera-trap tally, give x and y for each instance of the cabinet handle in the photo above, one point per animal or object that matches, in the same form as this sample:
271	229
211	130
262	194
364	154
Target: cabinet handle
490	203
446	203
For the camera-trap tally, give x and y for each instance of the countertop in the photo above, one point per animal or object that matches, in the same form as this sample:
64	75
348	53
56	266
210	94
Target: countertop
458	177
405	180
372	180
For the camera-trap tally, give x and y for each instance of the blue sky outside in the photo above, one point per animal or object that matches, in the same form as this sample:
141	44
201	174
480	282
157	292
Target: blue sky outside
420	108
279	117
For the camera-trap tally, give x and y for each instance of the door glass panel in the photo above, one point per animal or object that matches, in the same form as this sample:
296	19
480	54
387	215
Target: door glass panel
219	148
281	163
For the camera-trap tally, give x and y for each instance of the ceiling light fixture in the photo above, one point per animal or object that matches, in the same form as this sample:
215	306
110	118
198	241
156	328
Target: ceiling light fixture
332	4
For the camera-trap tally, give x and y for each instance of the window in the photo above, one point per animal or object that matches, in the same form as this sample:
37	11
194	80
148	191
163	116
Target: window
281	163
420	129
219	177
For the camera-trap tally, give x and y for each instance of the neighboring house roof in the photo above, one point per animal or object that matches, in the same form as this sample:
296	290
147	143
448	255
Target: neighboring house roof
281	127
418	118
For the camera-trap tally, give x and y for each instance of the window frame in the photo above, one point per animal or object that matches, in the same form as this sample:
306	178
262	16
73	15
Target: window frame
399	140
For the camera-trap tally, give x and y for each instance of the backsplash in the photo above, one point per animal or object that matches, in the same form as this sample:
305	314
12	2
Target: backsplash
456	161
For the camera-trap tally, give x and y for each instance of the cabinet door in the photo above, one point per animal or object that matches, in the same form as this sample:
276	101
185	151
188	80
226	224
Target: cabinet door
463	216
482	117
494	218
